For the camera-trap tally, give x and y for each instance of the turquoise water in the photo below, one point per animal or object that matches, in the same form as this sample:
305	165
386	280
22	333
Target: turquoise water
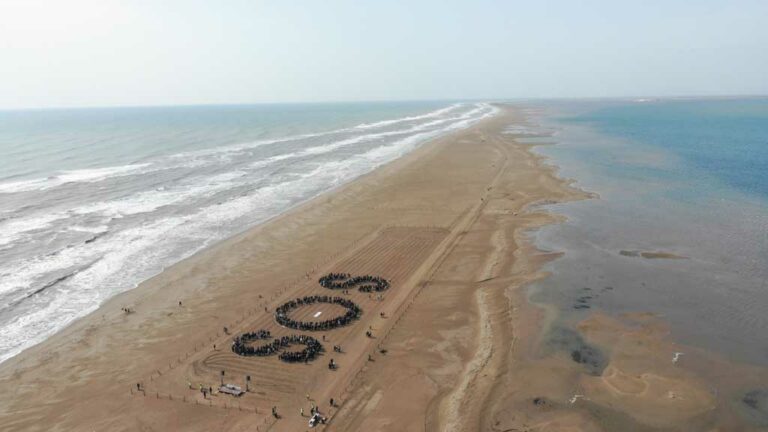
94	201
725	139
688	177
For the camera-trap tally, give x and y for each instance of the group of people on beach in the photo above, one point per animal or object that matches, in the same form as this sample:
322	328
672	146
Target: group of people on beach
241	345
282	318
345	281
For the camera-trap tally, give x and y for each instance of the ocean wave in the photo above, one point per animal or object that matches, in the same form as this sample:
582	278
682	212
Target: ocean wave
410	118
74	176
193	159
12	231
149	201
190	159
326	148
237	148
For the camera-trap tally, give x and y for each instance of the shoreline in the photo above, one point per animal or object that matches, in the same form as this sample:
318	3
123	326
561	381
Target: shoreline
456	344
608	369
462	394
86	346
240	234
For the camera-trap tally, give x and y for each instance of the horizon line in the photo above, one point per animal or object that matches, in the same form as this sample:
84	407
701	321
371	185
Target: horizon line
329	102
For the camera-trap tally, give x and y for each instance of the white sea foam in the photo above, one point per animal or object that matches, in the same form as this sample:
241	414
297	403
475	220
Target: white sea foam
142	202
236	148
326	148
11	228
98	229
148	201
74	176
410	118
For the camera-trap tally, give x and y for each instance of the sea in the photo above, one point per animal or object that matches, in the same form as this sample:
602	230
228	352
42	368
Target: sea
94	201
678	226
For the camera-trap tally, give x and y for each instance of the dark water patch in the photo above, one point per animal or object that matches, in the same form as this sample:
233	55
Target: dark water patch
587	297
95	237
590	357
52	283
754	407
48	285
38	291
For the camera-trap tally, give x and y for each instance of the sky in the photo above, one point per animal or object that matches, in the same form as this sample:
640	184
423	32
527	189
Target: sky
79	53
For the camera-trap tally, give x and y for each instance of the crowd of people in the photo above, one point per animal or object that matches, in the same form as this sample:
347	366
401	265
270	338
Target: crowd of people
242	346
282	318
312	350
345	281
244	343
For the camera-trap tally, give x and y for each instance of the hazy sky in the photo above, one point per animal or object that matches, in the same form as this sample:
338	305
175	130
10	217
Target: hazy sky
165	52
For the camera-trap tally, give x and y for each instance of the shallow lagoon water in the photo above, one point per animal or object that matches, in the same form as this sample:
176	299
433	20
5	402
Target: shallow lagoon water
685	178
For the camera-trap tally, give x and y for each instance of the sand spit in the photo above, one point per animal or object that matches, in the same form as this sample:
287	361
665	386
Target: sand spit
445	359
403	222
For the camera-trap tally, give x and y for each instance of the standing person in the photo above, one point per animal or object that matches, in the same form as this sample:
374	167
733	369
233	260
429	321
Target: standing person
332	405
301	411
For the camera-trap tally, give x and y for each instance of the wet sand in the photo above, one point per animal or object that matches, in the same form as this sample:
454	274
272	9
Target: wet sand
458	346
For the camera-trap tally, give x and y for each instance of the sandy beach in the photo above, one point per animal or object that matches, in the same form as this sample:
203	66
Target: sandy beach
452	340
440	223
383	216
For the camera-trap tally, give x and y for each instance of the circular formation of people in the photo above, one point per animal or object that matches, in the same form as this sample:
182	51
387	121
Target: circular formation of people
243	343
242	346
345	281
282	313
